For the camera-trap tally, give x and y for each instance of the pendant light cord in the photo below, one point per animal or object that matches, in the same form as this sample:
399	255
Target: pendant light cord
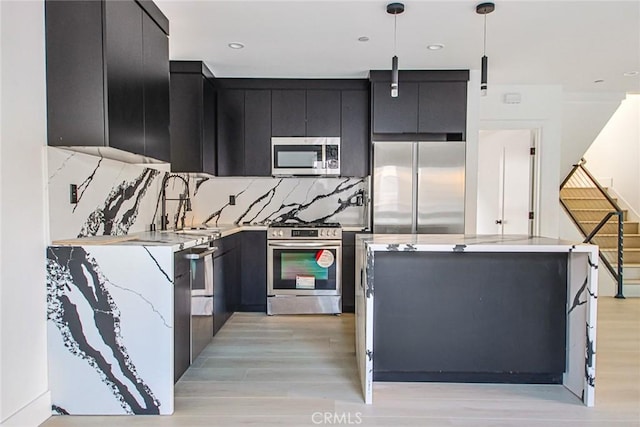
484	47
395	33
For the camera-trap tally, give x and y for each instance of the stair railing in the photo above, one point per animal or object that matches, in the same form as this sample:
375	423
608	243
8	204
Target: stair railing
580	177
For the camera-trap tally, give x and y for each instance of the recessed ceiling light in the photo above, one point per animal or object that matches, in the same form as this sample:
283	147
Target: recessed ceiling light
363	39
435	46
631	73
236	45
598	81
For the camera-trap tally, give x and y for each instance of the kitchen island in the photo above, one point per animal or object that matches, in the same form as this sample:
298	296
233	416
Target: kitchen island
454	308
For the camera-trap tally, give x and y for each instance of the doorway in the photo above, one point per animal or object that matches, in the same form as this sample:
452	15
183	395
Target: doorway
506	165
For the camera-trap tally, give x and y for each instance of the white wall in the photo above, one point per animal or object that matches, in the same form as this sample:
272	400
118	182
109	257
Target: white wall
615	154
24	398
471	161
540	108
583	117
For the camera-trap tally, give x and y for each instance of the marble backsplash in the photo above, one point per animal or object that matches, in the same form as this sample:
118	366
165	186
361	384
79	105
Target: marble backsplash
120	198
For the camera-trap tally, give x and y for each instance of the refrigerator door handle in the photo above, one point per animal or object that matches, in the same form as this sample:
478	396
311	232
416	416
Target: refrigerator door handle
415	189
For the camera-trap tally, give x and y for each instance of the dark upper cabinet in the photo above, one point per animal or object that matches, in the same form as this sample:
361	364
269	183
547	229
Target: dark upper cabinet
125	75
442	107
193	118
107	63
430	104
155	66
257	133
288	113
395	115
354	142
252	111
297	112
231	132
323	113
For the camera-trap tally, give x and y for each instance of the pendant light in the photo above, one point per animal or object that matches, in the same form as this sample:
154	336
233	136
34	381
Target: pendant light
395	9
484	9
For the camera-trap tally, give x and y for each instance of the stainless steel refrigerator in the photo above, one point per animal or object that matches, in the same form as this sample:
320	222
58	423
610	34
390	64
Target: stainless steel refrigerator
418	187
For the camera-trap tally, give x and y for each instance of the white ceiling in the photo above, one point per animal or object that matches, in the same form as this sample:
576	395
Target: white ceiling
572	43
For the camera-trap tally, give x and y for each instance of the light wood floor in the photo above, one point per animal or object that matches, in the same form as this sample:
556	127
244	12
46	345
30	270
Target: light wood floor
281	370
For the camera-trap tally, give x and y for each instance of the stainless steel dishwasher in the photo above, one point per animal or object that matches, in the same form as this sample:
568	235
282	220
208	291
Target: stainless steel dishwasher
201	258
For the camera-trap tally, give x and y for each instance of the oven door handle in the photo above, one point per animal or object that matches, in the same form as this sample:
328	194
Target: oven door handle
304	245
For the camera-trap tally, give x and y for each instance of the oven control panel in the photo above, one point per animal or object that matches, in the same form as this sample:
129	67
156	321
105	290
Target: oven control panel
305	233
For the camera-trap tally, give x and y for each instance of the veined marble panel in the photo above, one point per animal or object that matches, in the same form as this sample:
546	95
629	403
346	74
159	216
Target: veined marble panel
110	334
117	198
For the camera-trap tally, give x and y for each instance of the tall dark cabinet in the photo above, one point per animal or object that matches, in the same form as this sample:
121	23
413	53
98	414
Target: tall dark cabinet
108	77
193	118
253	294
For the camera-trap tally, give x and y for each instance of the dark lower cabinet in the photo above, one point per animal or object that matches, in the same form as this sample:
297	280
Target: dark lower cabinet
253	295
181	315
348	271
226	281
107	76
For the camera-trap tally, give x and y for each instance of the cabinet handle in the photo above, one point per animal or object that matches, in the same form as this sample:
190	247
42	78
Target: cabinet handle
201	254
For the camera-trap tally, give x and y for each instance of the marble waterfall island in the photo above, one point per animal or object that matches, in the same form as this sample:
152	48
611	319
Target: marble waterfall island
453	308
111	325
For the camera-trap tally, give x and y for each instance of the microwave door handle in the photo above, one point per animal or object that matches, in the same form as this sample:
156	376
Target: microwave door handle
324	158
303	245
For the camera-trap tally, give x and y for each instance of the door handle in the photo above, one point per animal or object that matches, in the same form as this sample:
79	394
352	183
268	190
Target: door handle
498	221
303	245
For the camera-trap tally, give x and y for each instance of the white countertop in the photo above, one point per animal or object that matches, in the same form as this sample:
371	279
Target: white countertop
472	243
176	240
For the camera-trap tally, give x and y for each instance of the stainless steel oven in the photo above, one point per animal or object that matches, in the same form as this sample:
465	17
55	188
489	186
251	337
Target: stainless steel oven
304	269
305	156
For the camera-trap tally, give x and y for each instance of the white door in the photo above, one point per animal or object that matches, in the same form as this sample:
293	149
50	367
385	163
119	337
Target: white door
505	181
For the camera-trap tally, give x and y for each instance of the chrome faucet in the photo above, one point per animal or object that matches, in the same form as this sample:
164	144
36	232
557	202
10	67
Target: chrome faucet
164	217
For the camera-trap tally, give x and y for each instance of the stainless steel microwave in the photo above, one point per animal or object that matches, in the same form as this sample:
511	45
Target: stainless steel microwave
293	156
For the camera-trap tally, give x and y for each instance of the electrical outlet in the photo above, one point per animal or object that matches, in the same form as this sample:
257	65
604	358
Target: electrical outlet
73	194
232	200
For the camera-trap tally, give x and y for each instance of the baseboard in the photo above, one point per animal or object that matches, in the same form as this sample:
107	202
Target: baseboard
33	414
470	377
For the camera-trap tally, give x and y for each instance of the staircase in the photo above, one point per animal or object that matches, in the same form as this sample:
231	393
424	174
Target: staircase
596	214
